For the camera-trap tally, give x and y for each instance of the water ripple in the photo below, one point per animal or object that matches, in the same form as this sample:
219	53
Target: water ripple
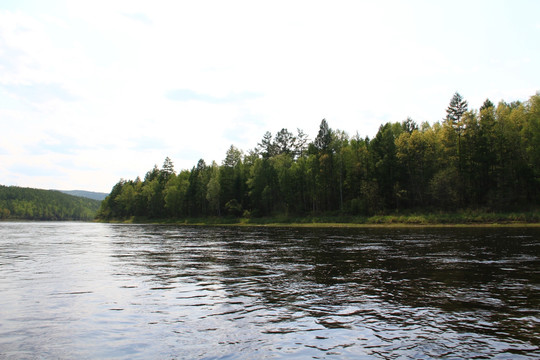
140	291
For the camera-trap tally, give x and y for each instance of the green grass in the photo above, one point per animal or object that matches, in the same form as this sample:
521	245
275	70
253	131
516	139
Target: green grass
463	218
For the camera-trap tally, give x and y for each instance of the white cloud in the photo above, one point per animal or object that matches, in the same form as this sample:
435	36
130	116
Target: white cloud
120	85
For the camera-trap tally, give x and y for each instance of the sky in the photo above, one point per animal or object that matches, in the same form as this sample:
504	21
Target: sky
95	91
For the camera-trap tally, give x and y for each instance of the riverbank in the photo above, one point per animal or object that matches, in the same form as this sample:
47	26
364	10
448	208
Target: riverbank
466	218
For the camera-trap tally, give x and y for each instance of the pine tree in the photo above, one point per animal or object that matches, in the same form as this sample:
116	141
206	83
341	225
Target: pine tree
267	147
324	137
454	113
458	106
486	105
167	170
284	142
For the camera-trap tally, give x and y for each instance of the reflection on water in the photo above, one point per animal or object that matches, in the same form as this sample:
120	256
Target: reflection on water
137	291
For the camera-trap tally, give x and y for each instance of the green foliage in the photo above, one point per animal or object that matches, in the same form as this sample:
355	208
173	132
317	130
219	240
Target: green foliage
324	137
458	106
34	204
234	208
214	190
487	160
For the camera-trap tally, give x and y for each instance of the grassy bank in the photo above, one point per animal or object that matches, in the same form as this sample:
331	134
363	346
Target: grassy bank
465	218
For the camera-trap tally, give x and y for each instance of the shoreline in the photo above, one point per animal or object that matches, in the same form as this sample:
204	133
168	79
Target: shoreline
452	220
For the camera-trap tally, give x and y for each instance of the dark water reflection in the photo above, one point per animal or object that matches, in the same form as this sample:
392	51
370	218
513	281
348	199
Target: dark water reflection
135	291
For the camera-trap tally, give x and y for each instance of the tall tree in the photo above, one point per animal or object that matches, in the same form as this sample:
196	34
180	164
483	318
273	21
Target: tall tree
166	170
214	189
267	147
486	105
324	138
232	177
284	142
175	194
456	109
340	143
454	113
387	169
409	125
196	191
324	175
300	143
233	157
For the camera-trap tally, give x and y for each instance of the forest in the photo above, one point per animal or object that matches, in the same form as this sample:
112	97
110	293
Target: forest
486	159
17	203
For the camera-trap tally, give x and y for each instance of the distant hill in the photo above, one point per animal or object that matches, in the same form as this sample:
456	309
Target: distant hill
19	203
86	194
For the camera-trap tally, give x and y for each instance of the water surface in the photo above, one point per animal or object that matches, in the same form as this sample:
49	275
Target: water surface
83	290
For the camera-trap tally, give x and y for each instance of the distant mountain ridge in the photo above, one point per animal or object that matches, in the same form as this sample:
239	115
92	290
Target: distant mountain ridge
86	194
17	203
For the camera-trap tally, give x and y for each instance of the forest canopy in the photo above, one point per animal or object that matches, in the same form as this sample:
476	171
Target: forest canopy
17	203
486	159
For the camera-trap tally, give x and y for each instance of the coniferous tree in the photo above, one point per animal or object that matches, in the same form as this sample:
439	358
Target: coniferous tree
457	107
454	113
486	105
167	169
284	142
301	143
487	158
214	189
324	137
266	147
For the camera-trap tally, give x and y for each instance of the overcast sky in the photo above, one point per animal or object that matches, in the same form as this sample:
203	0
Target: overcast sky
95	91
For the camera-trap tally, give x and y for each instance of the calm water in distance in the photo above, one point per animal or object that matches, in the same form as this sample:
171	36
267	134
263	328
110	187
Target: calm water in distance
94	291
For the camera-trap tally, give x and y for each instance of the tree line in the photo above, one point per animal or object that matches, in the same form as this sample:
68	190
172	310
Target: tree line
487	159
36	204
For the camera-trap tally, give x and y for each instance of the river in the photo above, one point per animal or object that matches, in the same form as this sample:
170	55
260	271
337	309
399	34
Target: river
94	291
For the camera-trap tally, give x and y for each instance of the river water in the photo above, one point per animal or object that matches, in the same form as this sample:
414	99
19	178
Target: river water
94	291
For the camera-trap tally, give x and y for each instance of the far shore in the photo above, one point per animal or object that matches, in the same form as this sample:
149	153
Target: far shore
467	219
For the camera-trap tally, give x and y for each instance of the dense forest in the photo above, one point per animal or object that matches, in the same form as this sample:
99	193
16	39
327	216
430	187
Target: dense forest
17	203
486	159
